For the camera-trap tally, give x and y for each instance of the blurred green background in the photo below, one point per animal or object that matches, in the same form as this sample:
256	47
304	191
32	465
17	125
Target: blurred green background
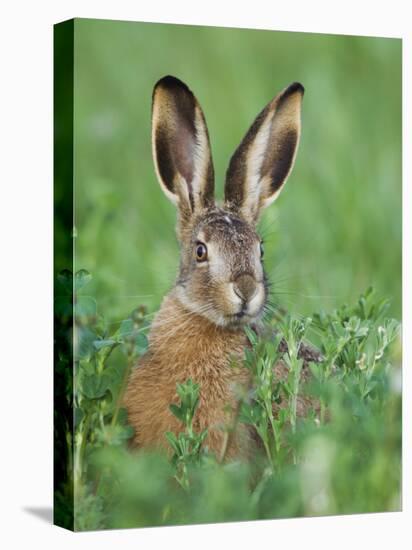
336	228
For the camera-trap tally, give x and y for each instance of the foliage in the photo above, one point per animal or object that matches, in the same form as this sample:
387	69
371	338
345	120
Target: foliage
267	390
187	445
344	458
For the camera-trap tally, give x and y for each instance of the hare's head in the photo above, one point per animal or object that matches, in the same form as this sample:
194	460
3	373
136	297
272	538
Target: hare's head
221	272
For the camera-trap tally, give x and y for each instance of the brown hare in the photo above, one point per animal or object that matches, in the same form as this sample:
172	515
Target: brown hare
221	285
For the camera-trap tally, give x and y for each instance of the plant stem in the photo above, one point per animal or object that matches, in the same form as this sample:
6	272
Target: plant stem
276	436
122	390
269	454
228	435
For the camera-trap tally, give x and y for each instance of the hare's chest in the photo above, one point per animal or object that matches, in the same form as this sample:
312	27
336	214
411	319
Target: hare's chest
220	394
152	389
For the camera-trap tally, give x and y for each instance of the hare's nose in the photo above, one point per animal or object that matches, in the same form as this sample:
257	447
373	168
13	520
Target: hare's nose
245	287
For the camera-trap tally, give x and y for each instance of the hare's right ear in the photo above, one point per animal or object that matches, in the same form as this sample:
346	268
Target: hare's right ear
261	164
181	148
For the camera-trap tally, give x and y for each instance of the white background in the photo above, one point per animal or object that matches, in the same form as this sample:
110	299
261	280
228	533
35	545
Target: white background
26	271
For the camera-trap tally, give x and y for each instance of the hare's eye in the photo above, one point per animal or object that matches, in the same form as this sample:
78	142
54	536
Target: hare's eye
262	252
201	252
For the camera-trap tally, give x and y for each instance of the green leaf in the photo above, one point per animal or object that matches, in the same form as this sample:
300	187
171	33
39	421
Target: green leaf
126	328
83	342
100	344
84	307
81	279
142	343
172	439
94	386
114	377
177	412
252	337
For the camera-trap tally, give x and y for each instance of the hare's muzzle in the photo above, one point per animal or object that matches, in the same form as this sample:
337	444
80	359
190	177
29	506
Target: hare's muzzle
245	287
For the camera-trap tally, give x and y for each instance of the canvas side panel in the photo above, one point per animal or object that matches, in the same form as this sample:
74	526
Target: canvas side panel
63	273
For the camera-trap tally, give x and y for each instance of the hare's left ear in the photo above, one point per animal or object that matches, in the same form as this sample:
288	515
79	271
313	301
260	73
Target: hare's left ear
181	147
261	164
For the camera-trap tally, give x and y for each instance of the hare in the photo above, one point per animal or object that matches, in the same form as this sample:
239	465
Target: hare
221	285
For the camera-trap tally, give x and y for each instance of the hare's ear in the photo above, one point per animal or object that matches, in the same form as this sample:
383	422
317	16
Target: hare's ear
181	148
261	164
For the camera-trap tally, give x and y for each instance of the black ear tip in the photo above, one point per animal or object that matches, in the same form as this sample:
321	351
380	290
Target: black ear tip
170	82
294	87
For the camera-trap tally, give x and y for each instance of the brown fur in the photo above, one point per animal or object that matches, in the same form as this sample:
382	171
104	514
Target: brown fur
200	326
184	345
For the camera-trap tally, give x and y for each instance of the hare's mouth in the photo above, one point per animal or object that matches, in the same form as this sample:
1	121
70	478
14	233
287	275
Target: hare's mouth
243	315
241	318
